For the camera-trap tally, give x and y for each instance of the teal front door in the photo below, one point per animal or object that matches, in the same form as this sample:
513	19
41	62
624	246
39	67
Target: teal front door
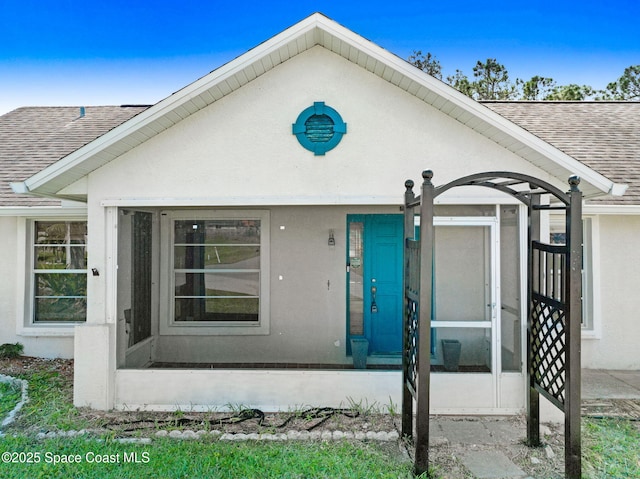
374	266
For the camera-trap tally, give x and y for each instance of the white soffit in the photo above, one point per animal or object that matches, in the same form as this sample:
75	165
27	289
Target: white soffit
314	30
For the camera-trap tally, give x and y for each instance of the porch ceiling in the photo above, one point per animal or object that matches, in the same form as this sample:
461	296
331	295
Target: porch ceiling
313	31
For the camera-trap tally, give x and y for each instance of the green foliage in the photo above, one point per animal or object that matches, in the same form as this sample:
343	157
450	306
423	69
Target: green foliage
536	88
362	407
392	408
10	395
491	82
50	405
198	459
610	448
9	350
627	87
570	92
461	82
427	63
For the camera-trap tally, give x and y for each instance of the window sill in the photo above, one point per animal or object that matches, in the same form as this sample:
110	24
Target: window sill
58	330
192	329
590	334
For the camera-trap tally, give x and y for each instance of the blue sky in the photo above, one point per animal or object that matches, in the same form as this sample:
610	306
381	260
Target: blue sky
96	52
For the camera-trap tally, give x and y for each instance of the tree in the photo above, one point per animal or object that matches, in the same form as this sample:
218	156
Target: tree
427	63
536	88
627	87
492	81
461	82
571	92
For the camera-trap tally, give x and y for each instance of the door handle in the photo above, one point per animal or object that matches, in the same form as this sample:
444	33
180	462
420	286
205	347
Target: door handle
374	306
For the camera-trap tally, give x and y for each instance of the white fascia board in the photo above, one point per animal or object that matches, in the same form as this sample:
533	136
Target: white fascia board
19	187
248	201
162	108
43	211
595	209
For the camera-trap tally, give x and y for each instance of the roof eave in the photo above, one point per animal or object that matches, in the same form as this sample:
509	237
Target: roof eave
43	183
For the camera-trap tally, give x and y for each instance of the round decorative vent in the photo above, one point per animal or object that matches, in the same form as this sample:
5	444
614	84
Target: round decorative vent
319	128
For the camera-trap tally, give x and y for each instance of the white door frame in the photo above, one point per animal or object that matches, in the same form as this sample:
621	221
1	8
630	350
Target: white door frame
446	386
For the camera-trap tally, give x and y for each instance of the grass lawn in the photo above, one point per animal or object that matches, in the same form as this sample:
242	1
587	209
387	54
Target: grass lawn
168	458
610	447
100	456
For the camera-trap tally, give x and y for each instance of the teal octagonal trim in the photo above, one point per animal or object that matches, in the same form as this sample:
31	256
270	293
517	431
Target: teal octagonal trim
319	128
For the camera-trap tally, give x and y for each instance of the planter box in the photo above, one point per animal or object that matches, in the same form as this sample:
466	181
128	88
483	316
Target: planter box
451	354
359	352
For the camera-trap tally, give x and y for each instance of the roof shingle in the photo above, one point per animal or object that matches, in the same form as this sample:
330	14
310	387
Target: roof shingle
603	135
33	138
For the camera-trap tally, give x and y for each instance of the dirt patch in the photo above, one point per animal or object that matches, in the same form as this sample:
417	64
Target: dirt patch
246	421
25	365
611	408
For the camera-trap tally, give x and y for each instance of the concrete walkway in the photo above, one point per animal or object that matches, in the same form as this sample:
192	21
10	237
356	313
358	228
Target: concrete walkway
610	384
483	439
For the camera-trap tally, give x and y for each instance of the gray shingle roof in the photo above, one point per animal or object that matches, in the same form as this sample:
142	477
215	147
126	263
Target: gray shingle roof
33	138
603	135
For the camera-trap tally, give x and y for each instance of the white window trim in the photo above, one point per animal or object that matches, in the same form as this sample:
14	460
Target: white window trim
593	329
25	325
170	327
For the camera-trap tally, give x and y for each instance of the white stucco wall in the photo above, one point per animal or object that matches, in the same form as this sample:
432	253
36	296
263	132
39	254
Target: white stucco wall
13	245
242	145
240	151
619	313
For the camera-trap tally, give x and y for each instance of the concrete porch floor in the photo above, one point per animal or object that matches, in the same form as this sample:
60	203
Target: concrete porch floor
610	384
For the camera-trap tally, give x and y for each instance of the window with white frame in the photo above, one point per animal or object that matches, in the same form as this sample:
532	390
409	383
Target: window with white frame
217	269
58	271
558	236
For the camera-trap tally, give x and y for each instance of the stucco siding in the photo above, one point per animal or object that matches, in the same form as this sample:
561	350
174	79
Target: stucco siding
619	270
243	146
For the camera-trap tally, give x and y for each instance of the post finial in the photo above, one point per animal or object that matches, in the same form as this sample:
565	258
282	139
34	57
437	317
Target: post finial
574	181
427	175
409	185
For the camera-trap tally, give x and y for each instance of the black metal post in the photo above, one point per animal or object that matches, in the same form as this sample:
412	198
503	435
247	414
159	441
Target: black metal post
421	464
533	397
407	397
573	463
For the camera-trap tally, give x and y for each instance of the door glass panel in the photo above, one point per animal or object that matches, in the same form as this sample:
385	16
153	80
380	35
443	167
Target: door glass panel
463	350
356	283
465	294
511	325
463	273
